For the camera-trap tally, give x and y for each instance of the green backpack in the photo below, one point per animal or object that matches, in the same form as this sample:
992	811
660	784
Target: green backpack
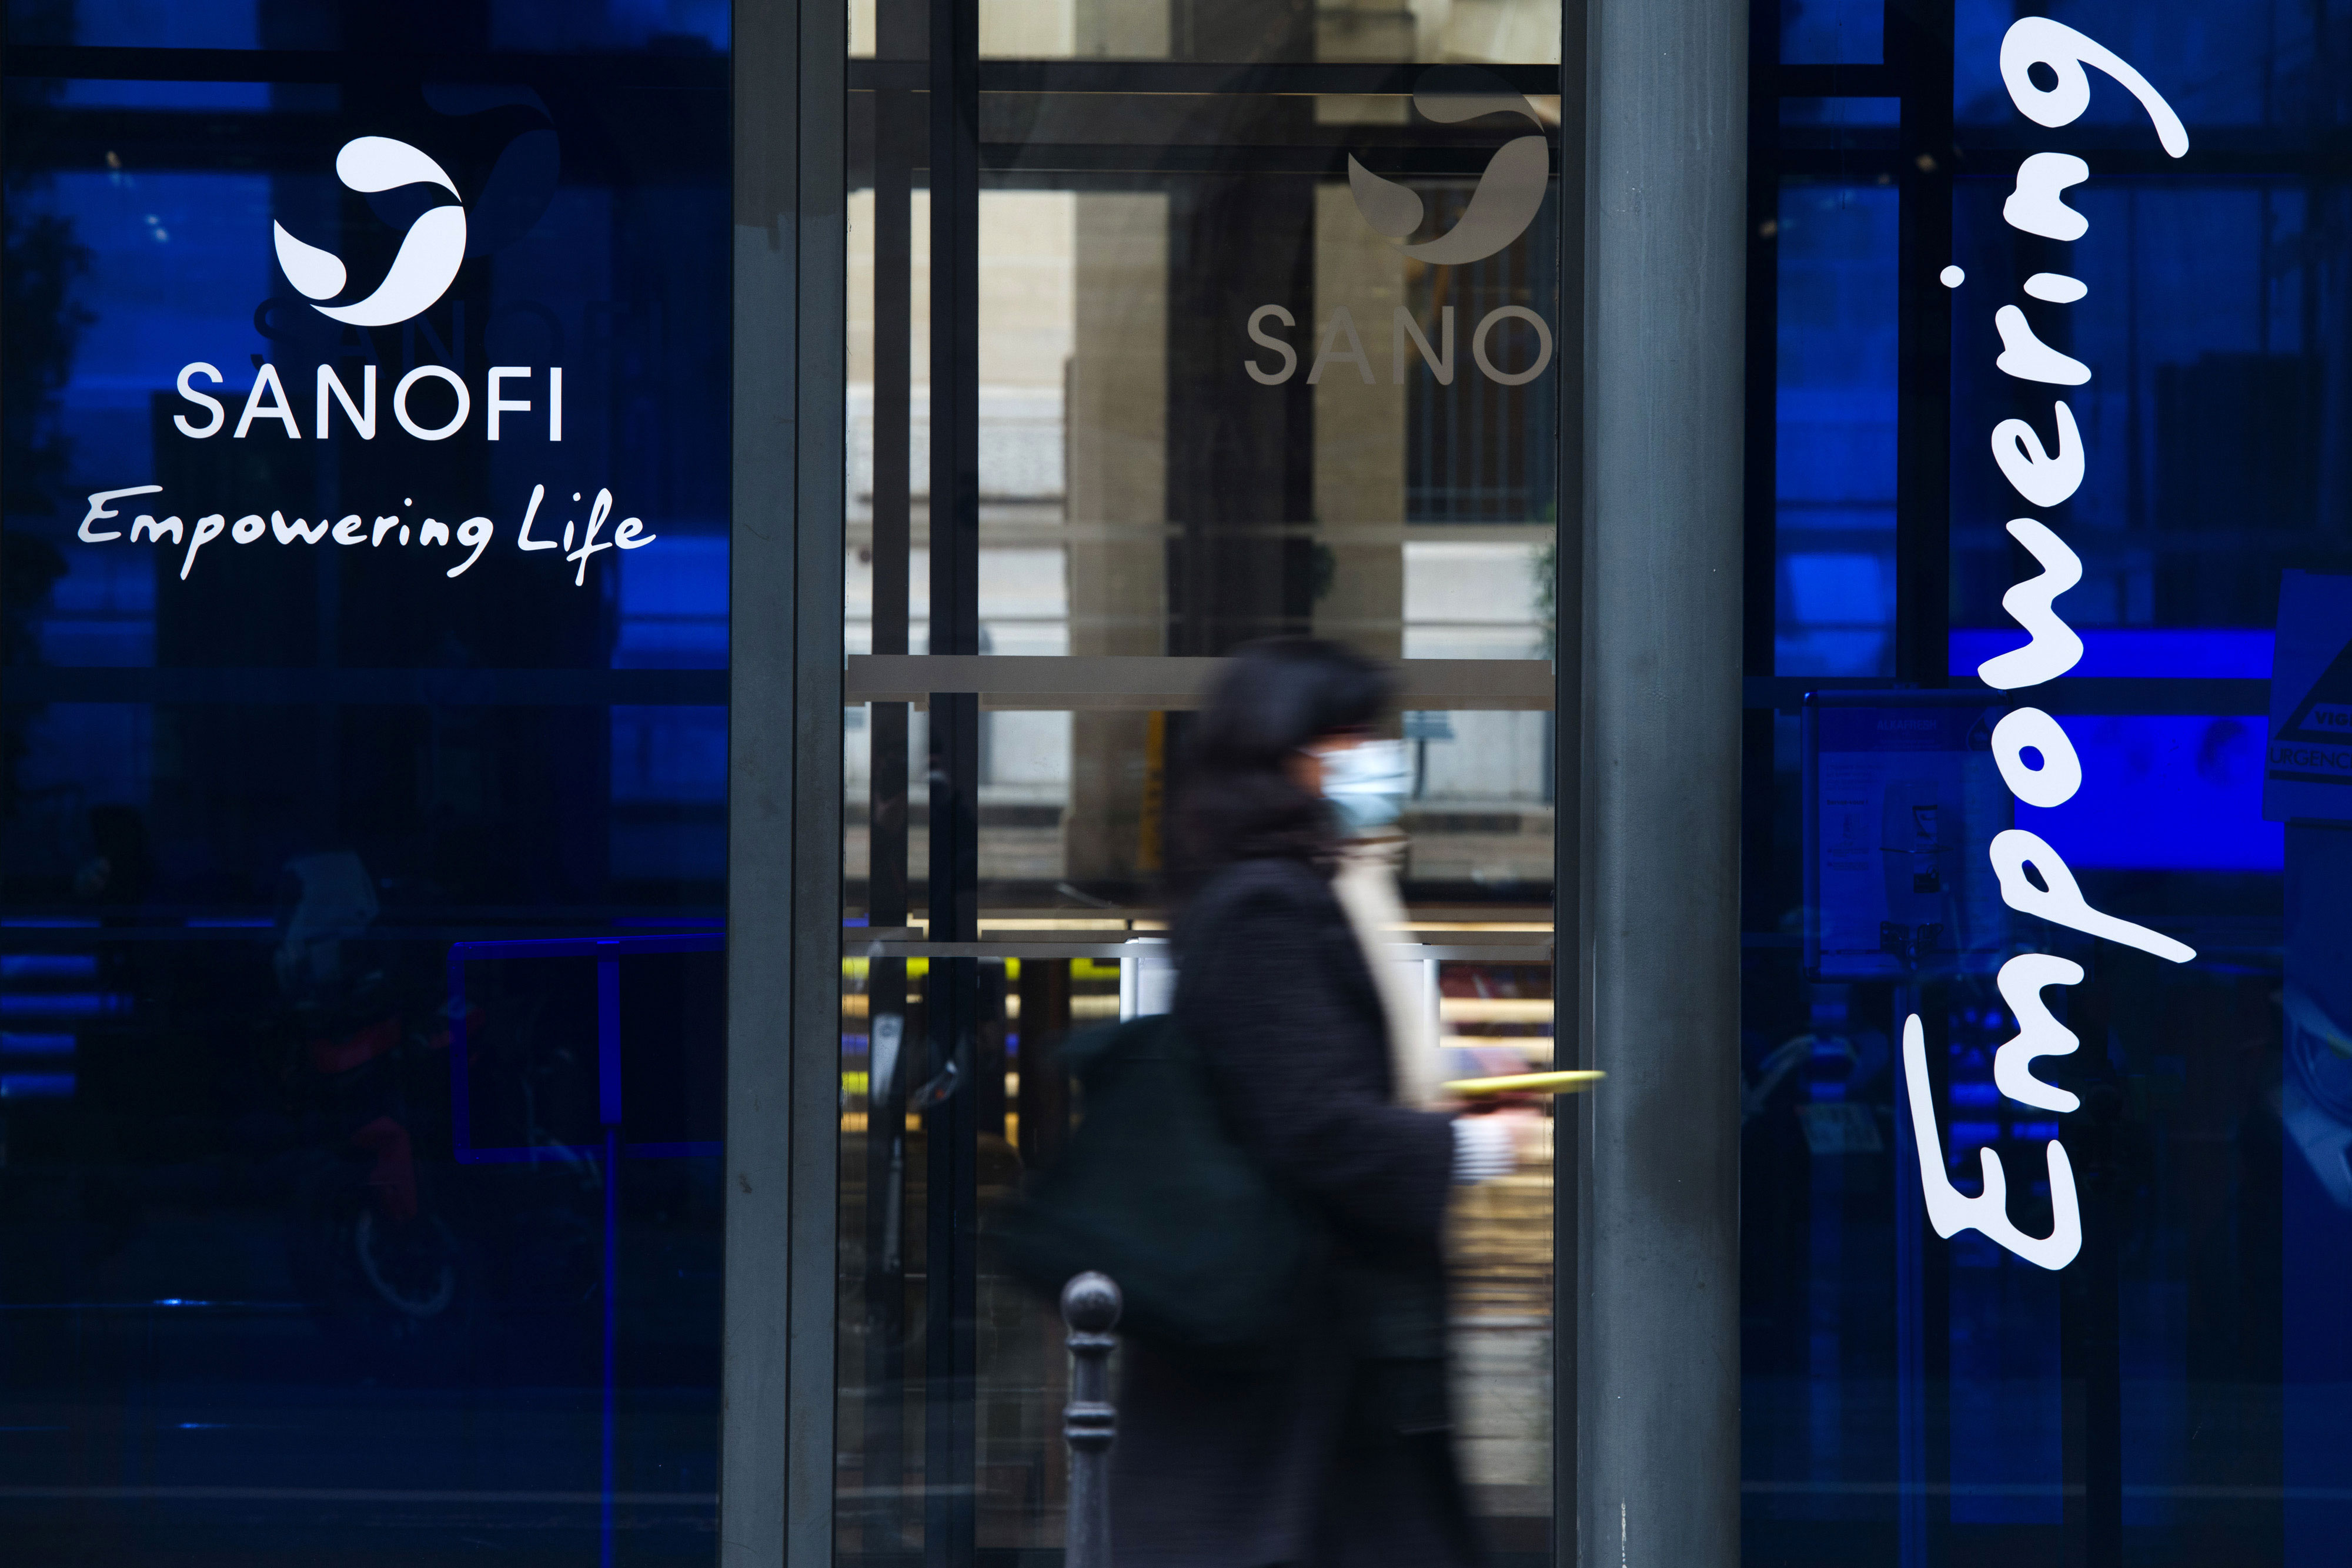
1213	1258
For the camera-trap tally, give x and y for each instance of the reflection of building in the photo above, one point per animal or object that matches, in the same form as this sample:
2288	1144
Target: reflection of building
1071	427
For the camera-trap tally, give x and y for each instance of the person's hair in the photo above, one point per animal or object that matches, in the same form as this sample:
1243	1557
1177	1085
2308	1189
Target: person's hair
1235	798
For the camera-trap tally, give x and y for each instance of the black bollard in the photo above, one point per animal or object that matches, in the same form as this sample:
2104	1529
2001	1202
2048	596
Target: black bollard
1090	1307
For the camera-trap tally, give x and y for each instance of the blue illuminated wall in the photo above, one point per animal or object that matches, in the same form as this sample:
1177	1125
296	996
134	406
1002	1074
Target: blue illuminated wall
2165	791
2176	1400
1833	32
1834	431
251	812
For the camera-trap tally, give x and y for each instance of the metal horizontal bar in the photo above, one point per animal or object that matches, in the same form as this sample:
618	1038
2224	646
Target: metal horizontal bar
244	141
2085	694
312	1496
1081	934
421	688
1994	152
280	140
560	1154
165	928
1012	681
1837	81
1316	157
1847	165
1021	947
1477	952
1010	947
166	1303
1056	531
1197	77
91	62
590	947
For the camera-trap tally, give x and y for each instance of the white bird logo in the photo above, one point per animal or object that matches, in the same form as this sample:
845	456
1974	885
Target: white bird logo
1509	192
430	254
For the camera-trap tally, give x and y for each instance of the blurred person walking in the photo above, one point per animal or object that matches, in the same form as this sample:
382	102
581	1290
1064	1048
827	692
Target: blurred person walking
1335	1448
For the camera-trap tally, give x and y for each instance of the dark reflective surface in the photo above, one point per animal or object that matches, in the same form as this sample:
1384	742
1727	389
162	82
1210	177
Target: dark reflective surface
359	1197
2169	1396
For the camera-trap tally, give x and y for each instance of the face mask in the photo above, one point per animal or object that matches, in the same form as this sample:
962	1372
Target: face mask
1366	783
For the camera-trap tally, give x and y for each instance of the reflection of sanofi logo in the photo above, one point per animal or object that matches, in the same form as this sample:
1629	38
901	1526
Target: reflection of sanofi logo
1504	202
1502	206
430	254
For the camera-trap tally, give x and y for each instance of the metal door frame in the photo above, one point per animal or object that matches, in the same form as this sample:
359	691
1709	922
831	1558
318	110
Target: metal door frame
1672	138
784	797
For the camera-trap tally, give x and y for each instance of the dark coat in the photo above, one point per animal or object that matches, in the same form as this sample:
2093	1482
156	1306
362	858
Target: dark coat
1337	1453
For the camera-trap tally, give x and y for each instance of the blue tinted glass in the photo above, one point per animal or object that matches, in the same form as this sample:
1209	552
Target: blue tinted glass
2250	64
2170	1384
2200	425
668	26
358	1134
1834	439
1832	32
1855	111
167	94
170	261
555	26
1978	96
2133	652
2164	790
164	24
2007	1422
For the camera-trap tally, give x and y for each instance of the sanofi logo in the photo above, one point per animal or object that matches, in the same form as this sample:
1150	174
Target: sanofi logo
1509	192
430	254
223	510
1510	344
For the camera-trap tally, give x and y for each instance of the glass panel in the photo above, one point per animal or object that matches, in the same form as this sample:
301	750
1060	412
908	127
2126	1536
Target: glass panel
666	27
1485	31
1833	32
1209	402
361	981
1834	430
2168	1391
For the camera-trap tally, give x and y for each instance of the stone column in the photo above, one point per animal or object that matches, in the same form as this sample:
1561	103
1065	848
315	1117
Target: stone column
1116	413
1360	432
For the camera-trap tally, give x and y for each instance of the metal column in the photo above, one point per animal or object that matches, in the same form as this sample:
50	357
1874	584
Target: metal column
784	804
950	1117
1658	1300
898	141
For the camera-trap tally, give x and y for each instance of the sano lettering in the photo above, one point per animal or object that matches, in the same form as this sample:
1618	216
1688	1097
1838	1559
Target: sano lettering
2037	761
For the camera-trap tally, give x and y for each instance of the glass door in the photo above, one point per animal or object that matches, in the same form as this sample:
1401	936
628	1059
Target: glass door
1173	326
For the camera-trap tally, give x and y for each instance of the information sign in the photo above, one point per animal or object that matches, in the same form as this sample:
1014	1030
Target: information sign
2307	769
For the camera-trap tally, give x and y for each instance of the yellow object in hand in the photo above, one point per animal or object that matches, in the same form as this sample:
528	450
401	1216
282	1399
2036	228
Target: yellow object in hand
1530	1084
